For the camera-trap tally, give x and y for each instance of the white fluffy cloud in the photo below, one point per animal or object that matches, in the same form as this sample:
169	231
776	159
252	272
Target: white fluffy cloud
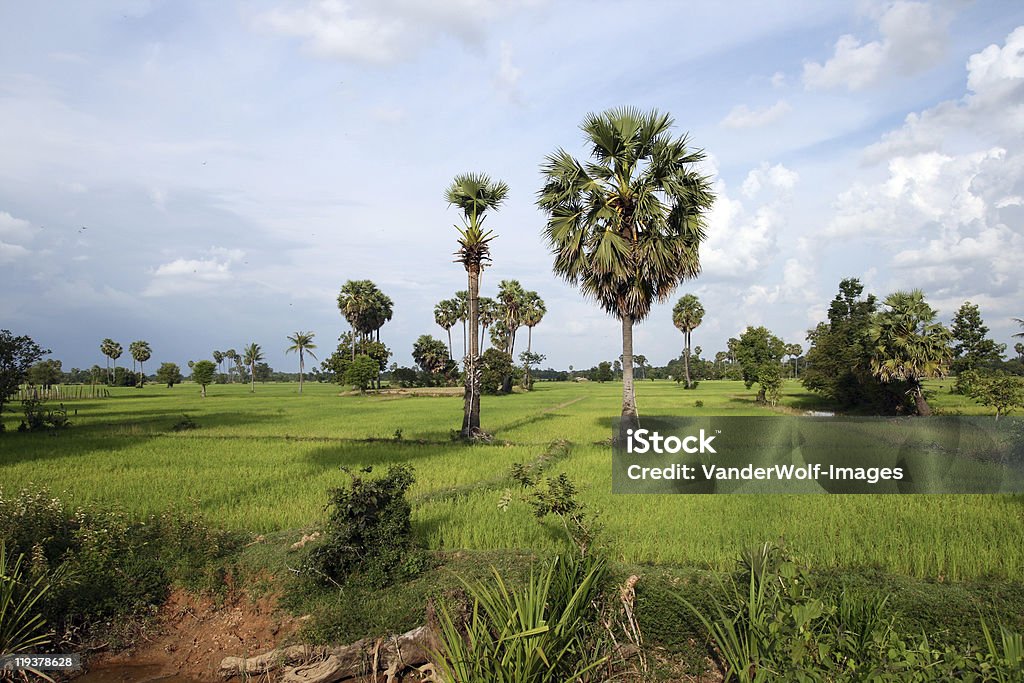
14	234
742	116
947	211
912	38
382	32
183	276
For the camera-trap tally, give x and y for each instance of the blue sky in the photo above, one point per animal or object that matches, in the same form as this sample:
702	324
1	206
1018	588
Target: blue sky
203	175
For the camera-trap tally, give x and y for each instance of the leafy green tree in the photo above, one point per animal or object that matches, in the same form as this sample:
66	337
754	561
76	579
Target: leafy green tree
495	369
529	359
365	308
998	390
474	194
45	373
17	355
362	372
759	354
687	315
203	372
337	363
626	226
169	374
446	314
602	373
140	352
908	345
253	354
972	349
302	343
838	362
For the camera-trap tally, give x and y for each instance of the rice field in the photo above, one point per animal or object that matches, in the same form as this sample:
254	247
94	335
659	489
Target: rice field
263	462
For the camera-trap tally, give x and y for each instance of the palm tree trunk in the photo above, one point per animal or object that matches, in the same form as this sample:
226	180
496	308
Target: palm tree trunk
629	417
471	416
252	377
353	342
923	409
686	359
451	355
301	368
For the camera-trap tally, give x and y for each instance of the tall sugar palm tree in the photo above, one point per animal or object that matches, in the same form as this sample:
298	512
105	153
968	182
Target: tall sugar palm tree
302	342
474	194
112	350
446	314
355	301
489	311
141	352
232	356
625	227
908	345
251	355
218	358
512	298
687	316
533	312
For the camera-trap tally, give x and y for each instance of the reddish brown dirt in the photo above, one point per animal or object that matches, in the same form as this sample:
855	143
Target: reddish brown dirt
193	633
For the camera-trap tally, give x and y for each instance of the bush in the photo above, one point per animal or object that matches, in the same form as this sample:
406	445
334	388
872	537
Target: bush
369	532
38	418
496	370
116	566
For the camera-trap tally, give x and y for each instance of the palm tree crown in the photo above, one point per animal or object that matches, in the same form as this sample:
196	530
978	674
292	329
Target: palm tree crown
687	315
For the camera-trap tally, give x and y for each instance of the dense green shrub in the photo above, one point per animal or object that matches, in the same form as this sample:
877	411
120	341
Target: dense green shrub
113	565
369	532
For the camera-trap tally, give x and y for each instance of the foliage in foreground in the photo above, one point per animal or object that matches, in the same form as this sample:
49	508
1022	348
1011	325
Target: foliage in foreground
546	630
22	627
772	621
102	564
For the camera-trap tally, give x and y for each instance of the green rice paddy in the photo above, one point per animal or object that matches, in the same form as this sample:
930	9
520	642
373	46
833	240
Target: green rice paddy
263	461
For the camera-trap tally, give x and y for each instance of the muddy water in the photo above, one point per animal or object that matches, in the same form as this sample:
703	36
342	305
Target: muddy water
131	674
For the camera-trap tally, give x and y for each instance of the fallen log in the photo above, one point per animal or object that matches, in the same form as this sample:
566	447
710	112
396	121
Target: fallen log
305	664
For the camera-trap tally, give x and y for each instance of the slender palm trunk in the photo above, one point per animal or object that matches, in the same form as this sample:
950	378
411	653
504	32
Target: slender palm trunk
686	359
451	355
629	417
471	417
301	368
142	374
353	342
252	377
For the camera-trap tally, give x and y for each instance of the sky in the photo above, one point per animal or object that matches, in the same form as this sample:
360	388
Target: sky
205	175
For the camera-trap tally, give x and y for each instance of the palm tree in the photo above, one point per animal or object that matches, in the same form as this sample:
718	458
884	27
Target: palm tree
231	355
533	312
112	350
446	314
512	298
908	345
794	351
354	302
303	343
218	358
641	362
1019	348
140	352
489	311
626	226
687	316
252	354
474	194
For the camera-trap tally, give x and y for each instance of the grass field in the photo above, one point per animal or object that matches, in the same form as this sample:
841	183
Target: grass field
263	462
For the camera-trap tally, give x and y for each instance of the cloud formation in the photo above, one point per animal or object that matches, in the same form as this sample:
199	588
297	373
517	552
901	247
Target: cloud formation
742	116
913	38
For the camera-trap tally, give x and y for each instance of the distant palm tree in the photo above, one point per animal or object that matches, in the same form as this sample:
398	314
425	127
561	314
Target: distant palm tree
533	312
687	316
218	358
446	314
512	298
626	226
303	343
908	345
1019	348
252	354
112	350
232	356
474	194
140	352
489	310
